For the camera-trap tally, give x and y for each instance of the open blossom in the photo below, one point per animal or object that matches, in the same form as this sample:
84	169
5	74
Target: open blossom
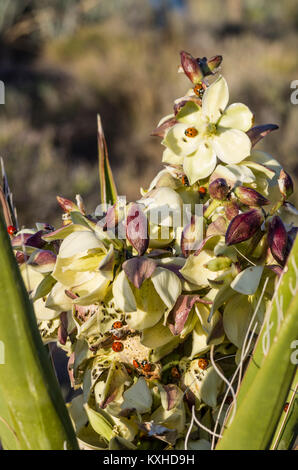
203	134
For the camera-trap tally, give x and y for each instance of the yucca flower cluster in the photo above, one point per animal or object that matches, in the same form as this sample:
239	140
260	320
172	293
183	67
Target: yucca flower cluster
153	300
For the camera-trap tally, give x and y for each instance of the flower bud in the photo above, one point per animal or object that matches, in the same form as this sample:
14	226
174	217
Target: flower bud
191	237
250	197
191	67
277	239
137	229
285	184
209	67
219	189
231	209
244	226
66	205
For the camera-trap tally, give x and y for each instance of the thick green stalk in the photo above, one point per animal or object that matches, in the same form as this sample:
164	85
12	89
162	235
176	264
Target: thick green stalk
32	411
270	372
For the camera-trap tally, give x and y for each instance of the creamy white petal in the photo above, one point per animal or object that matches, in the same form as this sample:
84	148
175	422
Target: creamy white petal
231	145
79	242
237	116
201	164
176	140
123	295
190	114
170	157
215	99
167	285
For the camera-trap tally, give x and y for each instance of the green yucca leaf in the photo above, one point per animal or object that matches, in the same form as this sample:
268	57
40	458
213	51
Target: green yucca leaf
32	411
287	429
270	373
107	184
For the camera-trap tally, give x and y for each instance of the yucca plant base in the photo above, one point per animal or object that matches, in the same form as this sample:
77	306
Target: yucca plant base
178	312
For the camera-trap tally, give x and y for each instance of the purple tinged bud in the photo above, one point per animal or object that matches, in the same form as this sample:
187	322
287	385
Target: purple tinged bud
44	259
244	226
219	189
259	132
231	209
62	330
67	205
189	237
250	197
277	239
191	67
285	184
214	63
137	228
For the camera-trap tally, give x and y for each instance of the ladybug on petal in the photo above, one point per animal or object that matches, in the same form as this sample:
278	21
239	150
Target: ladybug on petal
203	363
117	346
191	132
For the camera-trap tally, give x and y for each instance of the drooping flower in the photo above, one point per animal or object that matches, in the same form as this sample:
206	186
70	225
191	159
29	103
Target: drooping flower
204	134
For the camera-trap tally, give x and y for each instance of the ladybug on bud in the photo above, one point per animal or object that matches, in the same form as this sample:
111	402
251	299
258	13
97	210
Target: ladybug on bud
117	325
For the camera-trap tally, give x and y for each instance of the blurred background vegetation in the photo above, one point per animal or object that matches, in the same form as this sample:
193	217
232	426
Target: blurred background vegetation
63	61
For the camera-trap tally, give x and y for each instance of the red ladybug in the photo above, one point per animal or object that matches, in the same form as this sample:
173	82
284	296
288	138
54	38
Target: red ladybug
117	346
203	363
286	407
202	190
146	367
191	132
184	181
117	324
11	230
175	373
198	89
136	364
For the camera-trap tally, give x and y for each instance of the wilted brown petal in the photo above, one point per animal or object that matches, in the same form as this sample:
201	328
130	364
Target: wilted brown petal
20	239
137	229
179	314
161	130
277	239
62	330
173	394
244	226
258	132
43	258
218	227
139	269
